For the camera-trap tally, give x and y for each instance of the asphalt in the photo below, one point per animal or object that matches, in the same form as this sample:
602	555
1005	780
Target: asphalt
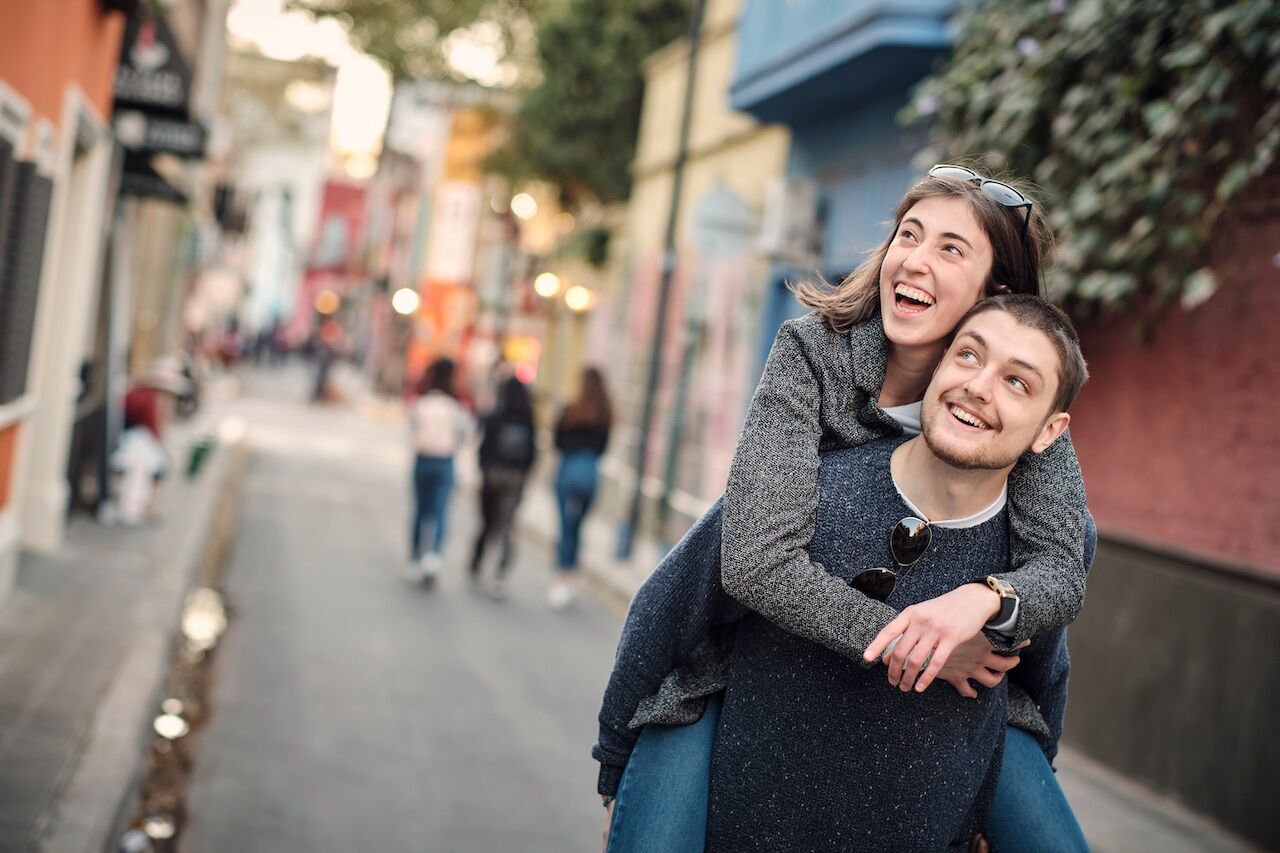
350	710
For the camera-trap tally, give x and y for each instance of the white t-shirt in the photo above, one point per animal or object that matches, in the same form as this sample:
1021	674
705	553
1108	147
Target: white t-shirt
908	416
438	424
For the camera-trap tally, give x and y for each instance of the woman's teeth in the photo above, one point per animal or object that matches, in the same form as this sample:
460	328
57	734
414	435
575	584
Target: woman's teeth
912	298
964	417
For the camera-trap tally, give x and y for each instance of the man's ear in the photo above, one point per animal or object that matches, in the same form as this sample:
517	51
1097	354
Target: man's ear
1054	427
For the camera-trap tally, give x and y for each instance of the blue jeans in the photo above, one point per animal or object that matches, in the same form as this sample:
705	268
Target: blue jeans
575	490
1030	811
432	488
662	798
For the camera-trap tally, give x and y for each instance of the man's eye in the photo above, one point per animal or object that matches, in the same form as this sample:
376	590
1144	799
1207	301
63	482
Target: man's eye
1017	383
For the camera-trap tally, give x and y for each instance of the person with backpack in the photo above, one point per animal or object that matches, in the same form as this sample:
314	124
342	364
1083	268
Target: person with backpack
507	452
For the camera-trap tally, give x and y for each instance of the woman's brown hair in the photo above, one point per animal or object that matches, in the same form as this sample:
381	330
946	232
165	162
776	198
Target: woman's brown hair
592	408
1016	262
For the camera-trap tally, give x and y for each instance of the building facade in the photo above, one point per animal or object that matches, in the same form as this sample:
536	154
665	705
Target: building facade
57	67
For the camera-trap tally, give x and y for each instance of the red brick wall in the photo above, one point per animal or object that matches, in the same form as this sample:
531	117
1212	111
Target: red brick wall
1180	439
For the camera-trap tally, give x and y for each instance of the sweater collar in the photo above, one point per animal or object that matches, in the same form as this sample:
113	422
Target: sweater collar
870	352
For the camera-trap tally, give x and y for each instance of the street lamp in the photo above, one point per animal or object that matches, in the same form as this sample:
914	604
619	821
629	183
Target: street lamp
578	298
547	285
405	300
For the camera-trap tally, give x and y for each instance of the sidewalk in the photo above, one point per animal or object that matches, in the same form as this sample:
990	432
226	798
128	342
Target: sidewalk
84	647
1117	815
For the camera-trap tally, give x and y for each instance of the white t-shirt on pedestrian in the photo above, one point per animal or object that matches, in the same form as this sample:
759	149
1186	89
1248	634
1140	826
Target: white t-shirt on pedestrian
438	424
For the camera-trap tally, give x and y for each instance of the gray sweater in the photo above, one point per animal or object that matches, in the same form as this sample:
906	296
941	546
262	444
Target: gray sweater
819	391
816	753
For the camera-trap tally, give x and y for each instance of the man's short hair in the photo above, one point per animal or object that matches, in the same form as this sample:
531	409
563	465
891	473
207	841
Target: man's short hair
1044	316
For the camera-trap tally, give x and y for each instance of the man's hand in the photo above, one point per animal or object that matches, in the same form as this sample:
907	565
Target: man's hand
930	631
975	659
608	822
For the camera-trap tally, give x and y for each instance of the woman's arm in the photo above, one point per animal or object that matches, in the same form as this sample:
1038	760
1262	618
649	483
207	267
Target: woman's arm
1047	519
673	611
770	507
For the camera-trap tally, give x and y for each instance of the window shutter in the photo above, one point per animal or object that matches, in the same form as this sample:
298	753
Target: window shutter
20	263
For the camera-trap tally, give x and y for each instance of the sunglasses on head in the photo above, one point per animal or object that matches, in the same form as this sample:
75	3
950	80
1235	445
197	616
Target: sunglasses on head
1001	192
908	541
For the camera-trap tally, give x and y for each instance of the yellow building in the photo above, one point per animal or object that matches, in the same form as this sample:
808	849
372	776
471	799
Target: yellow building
711	336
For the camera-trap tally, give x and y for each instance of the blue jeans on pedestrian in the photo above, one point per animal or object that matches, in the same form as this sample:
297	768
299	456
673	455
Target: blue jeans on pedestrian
662	798
1030	811
575	490
432	488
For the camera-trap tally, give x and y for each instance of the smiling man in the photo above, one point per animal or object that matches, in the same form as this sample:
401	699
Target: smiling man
814	752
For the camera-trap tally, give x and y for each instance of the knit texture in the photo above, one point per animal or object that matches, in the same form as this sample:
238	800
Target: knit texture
814	752
819	391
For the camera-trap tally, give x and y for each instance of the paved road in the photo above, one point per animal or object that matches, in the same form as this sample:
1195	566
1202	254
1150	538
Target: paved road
352	711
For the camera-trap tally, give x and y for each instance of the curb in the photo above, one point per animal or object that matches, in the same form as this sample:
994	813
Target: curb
87	819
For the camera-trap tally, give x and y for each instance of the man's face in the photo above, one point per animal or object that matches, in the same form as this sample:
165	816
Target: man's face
990	398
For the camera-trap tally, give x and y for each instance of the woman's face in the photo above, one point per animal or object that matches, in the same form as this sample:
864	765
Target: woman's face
936	269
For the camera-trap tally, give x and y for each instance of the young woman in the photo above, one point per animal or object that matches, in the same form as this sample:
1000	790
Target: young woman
507	452
853	371
582	433
438	425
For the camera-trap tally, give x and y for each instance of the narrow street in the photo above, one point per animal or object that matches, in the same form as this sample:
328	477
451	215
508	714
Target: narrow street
353	711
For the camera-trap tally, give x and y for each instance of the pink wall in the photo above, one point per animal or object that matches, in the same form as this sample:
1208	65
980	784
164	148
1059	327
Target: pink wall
1180	439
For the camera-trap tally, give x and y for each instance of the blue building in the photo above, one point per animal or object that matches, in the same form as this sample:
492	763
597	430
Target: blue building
837	72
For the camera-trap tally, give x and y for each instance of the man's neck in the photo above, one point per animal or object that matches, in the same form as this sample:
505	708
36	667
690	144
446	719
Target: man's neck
908	373
940	490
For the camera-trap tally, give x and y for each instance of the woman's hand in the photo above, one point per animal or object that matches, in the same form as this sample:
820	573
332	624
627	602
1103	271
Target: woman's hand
608	821
930	631
975	659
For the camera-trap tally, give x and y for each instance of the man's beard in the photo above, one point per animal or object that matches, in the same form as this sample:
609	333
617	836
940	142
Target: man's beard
974	460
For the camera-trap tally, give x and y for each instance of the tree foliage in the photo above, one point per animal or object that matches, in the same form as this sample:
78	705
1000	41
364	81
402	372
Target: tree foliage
577	128
1141	120
412	36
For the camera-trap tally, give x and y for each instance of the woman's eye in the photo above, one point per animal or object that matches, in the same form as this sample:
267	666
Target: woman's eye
953	249
905	234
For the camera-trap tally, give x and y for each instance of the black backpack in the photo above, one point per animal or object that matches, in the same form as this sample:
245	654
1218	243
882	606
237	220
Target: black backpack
511	444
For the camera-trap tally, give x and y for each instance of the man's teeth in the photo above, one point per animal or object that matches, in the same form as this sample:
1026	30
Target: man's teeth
961	415
914	294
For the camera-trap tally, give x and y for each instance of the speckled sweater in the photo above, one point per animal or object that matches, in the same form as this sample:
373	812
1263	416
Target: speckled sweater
819	391
816	753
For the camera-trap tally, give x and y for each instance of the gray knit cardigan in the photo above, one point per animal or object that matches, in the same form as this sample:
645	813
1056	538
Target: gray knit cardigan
819	391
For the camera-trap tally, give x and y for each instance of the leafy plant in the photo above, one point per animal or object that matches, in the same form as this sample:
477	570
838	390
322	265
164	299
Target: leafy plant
1142	120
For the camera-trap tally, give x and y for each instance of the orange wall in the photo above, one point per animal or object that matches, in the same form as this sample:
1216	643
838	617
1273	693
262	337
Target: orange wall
46	45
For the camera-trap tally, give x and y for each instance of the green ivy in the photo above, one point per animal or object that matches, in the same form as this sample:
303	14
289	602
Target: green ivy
1140	120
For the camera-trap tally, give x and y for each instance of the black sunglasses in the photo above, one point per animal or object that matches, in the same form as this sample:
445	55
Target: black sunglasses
908	541
1001	192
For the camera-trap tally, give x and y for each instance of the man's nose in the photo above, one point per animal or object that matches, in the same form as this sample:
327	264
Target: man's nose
979	385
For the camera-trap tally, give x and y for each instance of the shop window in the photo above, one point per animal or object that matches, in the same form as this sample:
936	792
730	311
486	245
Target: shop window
29	195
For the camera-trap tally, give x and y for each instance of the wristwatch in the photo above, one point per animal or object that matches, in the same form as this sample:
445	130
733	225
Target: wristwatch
1008	600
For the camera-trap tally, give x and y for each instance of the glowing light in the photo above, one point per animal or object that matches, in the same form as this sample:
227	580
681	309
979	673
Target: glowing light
405	300
547	285
327	302
171	726
578	298
565	222
524	206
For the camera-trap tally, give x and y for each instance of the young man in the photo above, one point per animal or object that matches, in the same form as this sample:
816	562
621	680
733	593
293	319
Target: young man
814	751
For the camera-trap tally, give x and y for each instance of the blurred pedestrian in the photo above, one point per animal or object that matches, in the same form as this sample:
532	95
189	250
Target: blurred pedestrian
507	451
582	433
140	459
438	425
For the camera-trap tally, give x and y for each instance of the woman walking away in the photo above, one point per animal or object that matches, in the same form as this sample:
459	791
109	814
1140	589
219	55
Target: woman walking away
507	452
581	436
438	426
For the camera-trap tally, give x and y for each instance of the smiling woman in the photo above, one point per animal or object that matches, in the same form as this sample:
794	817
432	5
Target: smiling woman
853	371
